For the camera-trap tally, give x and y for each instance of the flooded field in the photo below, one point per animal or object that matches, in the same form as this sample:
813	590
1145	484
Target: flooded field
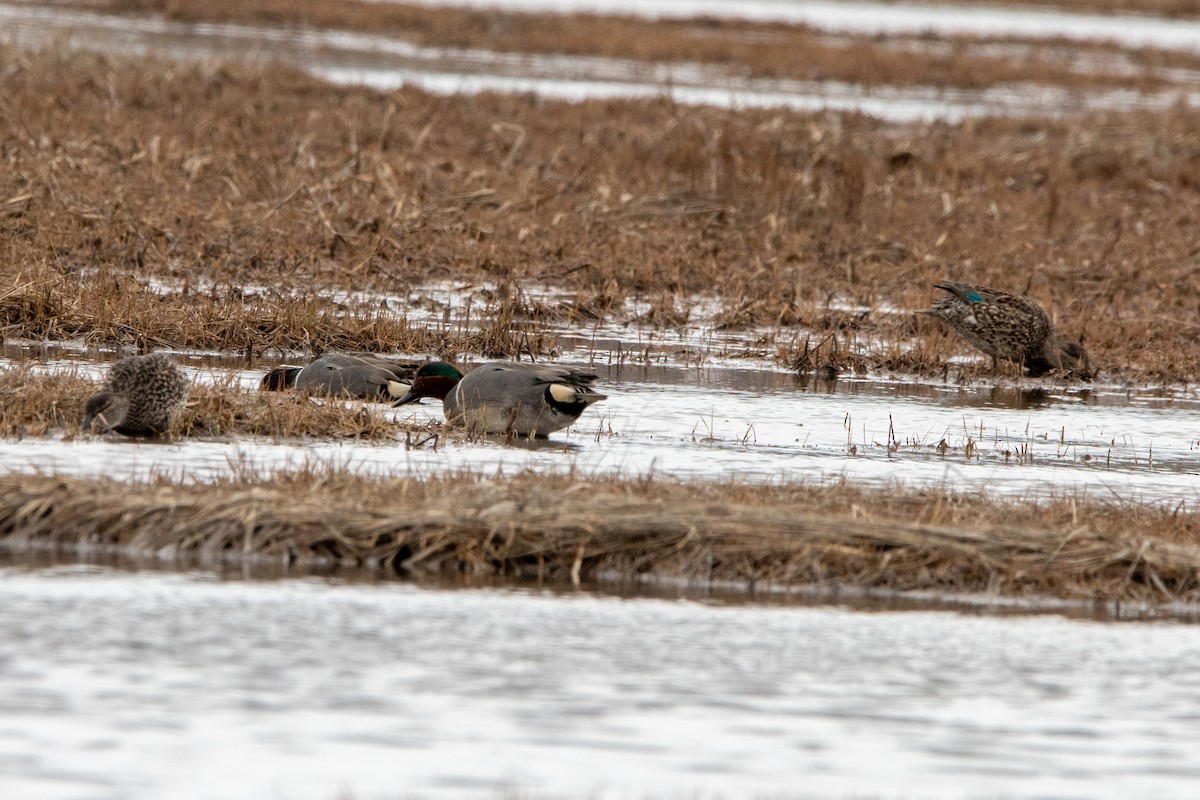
760	425
687	402
687	251
132	685
747	422
389	63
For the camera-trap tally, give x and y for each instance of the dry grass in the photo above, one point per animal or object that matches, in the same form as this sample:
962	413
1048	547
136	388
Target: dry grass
276	180
34	404
44	302
563	529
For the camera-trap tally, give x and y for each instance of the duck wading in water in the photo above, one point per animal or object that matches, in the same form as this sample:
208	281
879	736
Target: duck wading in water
142	396
1008	326
506	397
345	375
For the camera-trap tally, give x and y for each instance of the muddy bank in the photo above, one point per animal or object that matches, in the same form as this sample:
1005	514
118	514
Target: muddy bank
566	529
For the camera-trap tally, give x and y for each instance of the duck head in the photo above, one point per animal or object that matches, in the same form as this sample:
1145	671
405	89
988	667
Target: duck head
1061	355
105	411
435	379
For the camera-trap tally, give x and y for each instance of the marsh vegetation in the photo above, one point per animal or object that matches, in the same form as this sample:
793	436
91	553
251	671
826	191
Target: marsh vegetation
252	209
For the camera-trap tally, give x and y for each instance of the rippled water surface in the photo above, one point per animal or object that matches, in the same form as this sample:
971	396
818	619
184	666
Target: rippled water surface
144	685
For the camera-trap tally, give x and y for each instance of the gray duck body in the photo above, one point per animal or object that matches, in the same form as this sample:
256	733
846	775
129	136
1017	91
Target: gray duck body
1007	326
346	375
508	397
142	396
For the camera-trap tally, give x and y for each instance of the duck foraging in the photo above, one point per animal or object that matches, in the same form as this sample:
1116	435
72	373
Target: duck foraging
345	375
506	397
142	396
1008	326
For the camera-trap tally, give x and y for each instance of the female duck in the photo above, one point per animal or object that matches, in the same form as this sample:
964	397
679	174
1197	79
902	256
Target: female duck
506	397
142	396
1008	326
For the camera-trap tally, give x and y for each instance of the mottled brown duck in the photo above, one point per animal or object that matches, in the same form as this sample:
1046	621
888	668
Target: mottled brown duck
142	396
1008	326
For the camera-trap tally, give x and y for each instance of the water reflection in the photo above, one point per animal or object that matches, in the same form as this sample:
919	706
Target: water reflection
982	396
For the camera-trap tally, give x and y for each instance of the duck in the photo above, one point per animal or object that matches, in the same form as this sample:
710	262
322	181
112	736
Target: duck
355	375
506	397
141	396
1008	326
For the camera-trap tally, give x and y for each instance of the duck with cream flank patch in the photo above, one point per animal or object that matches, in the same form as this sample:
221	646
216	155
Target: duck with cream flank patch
506	397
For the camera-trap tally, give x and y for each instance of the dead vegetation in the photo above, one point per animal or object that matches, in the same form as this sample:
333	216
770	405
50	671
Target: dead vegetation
554	528
34	404
276	190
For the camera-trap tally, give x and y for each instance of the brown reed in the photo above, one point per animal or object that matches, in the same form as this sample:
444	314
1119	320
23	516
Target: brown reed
282	190
557	528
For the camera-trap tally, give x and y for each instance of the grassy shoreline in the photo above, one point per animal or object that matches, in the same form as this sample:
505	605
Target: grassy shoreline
555	529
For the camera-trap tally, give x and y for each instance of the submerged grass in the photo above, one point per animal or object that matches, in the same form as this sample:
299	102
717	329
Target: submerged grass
558	528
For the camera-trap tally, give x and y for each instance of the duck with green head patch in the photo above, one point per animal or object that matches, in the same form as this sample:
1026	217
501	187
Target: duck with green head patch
1008	326
142	396
506	397
363	376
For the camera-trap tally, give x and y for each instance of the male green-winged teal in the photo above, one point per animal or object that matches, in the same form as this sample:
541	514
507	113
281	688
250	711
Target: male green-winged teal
506	397
141	396
345	375
1008	326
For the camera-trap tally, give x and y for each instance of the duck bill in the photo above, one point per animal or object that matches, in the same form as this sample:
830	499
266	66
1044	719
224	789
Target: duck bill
411	397
94	423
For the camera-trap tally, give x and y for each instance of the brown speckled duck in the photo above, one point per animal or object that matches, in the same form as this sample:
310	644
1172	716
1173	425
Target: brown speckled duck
1008	326
142	396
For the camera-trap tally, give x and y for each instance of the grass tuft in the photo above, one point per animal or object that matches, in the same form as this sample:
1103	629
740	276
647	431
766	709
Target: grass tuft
562	529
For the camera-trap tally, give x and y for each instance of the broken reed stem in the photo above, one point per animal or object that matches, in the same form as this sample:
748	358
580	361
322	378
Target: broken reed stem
554	528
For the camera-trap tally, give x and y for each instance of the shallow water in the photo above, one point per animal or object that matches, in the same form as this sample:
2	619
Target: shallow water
730	420
145	685
977	19
388	63
681	404
172	687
